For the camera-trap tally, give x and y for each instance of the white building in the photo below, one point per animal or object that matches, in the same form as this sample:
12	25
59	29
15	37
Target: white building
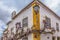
37	17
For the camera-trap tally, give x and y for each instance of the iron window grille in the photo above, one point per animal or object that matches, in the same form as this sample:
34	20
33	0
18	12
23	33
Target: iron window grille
25	22
57	26
47	22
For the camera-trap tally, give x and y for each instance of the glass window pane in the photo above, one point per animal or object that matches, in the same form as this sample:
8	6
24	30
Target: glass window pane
57	26
25	22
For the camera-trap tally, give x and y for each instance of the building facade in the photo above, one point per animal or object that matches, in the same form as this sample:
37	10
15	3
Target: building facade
35	22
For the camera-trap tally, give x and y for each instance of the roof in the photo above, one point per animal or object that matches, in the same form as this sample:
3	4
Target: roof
29	5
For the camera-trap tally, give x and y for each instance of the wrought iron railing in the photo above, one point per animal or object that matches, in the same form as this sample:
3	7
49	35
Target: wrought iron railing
29	31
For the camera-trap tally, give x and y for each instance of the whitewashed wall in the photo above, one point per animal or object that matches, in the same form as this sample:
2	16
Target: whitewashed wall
26	13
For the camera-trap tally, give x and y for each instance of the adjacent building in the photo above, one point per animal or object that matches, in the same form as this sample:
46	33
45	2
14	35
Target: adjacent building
34	22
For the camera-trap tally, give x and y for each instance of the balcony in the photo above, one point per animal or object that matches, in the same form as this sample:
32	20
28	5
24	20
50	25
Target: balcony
25	33
21	33
48	30
47	27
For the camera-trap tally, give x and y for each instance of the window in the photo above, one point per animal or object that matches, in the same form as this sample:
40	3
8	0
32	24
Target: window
25	22
47	22
58	38
18	25
36	8
53	38
57	26
12	39
25	38
11	30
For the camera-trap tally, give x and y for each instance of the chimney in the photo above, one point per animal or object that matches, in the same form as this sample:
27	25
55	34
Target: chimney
13	14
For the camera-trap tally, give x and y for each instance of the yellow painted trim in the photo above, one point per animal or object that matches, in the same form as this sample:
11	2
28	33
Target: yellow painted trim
36	24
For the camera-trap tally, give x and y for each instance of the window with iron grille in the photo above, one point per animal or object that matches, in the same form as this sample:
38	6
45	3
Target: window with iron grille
25	22
53	38
25	38
18	25
36	8
12	30
57	26
58	38
47	22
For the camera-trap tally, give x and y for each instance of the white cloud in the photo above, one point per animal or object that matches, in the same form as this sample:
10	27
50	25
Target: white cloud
5	11
53	5
6	8
2	26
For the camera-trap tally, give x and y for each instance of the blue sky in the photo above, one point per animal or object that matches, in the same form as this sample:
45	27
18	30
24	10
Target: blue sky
8	6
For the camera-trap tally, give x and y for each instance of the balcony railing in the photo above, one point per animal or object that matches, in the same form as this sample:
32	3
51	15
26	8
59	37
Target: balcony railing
20	33
48	30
